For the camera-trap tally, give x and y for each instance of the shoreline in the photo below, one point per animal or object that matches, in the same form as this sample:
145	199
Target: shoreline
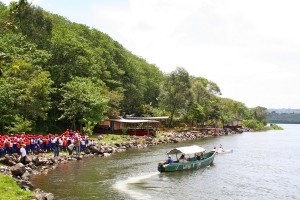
41	163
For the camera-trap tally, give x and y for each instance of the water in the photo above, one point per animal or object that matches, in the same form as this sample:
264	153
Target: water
263	165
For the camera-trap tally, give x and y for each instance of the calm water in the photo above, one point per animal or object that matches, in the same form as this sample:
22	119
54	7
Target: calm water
263	165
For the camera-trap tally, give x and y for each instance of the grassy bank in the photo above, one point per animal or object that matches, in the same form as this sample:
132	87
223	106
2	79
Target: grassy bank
9	189
111	139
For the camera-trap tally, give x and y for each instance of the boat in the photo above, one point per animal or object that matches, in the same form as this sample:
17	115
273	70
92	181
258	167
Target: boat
196	158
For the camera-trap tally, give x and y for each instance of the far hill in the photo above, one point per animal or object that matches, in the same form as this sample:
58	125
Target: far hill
283	110
284	116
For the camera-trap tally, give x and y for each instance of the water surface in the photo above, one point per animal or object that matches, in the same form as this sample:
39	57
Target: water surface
263	165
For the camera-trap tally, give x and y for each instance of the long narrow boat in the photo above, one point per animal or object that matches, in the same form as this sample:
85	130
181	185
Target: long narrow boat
197	158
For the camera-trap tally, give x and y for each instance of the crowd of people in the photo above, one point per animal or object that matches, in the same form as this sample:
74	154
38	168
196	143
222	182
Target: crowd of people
67	141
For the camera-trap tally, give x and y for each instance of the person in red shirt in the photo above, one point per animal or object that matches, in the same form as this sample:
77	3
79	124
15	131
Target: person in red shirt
1	148
64	144
47	148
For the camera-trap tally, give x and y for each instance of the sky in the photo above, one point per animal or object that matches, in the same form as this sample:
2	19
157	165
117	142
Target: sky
249	48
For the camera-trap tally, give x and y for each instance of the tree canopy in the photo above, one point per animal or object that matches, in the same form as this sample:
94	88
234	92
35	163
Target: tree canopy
56	74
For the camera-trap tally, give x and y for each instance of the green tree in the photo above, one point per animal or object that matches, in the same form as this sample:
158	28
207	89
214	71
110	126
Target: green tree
83	101
194	114
204	90
260	114
176	92
232	110
10	90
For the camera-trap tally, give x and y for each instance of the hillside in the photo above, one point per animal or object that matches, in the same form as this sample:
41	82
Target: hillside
57	74
284	116
284	110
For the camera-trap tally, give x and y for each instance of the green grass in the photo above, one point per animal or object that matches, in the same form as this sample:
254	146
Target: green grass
111	139
9	189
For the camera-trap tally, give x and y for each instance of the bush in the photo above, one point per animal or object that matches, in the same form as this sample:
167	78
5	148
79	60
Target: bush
254	125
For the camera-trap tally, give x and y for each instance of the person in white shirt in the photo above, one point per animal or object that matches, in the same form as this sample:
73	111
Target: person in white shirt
23	154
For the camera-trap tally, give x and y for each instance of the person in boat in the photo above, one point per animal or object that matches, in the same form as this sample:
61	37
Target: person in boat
215	148
221	149
199	156
182	158
169	160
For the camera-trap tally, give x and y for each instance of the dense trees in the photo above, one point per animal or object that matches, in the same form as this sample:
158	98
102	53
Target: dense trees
55	74
176	94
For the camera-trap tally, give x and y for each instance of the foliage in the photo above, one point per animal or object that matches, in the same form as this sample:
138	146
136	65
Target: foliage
19	125
276	127
260	114
254	125
195	113
83	99
9	92
232	110
176	94
111	139
56	74
283	118
124	130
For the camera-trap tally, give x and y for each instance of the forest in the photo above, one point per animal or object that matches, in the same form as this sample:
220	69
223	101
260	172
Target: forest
57	74
284	117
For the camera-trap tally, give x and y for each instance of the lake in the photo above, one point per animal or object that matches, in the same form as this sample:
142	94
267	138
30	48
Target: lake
263	165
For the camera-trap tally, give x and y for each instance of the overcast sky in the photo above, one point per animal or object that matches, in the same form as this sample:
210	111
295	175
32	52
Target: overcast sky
250	48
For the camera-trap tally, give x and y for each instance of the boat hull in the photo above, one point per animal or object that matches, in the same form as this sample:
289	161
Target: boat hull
208	159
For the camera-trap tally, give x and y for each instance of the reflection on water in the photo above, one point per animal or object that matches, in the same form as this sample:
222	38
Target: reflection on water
262	166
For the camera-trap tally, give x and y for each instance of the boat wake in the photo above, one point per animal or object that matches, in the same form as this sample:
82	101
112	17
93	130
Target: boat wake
126	186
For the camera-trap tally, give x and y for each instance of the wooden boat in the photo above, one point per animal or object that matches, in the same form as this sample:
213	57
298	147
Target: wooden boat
196	158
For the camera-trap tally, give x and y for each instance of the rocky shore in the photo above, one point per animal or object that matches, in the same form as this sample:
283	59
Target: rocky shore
43	162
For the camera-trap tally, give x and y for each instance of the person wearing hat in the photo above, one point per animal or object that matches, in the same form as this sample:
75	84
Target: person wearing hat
23	154
169	160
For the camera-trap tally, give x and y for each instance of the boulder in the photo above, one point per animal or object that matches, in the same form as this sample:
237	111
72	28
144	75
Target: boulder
26	176
40	161
9	160
95	149
41	195
18	169
87	151
25	184
28	159
106	154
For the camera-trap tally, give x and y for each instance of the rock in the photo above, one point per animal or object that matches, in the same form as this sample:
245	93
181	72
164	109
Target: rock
40	161
25	184
79	158
28	169
32	165
18	169
41	195
117	145
95	149
87	151
106	154
26	176
49	196
9	160
28	159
